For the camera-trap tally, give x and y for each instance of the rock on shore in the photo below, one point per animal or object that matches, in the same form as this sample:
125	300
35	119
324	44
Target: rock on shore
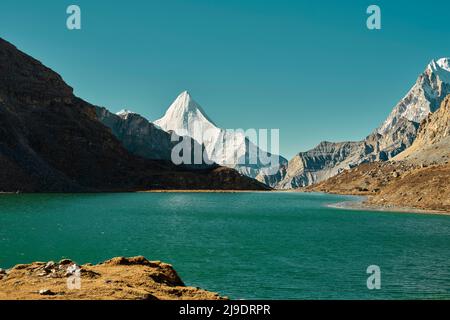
117	279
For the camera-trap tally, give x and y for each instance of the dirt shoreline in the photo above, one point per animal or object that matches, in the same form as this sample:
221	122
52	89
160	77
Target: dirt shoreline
361	205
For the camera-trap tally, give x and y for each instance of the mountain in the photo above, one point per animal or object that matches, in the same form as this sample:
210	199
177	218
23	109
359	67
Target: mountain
395	135
417	177
52	141
228	148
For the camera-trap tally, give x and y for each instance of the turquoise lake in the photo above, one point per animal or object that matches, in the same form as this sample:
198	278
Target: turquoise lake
242	245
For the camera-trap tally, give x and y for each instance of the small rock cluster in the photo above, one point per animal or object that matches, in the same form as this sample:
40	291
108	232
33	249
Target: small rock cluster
65	268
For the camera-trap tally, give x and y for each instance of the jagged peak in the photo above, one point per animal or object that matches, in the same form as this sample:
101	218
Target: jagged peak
124	113
442	63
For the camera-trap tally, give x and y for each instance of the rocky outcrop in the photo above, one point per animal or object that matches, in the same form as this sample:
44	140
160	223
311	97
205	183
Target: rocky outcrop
52	141
117	279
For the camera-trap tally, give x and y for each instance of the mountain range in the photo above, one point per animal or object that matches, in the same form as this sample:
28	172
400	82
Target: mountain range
53	141
186	117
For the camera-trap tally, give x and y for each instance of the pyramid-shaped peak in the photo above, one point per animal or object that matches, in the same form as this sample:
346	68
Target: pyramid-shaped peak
185	93
182	113
185	104
185	101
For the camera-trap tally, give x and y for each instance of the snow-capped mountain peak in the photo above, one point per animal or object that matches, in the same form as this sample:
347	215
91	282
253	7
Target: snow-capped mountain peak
183	114
231	148
443	63
440	68
432	86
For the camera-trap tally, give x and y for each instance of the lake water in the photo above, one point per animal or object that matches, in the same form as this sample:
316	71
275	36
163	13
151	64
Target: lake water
243	245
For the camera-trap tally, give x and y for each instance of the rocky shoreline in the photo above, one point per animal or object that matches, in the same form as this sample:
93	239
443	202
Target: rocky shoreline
117	279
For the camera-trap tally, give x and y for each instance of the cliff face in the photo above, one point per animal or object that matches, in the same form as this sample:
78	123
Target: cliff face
331	158
52	141
327	159
116	279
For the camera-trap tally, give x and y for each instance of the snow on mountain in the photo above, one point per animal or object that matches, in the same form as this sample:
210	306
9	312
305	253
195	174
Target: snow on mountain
186	117
230	148
124	113
424	97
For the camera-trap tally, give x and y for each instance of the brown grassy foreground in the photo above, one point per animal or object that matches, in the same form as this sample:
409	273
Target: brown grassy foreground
116	279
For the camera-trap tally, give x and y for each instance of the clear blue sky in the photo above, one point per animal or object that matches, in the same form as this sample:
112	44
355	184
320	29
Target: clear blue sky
310	68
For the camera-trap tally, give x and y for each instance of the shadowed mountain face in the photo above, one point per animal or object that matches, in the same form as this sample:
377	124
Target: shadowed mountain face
52	141
137	134
142	138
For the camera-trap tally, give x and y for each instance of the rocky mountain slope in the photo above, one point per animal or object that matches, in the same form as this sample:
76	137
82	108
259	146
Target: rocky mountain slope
232	149
395	135
432	145
419	177
142	138
137	134
116	279
52	141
